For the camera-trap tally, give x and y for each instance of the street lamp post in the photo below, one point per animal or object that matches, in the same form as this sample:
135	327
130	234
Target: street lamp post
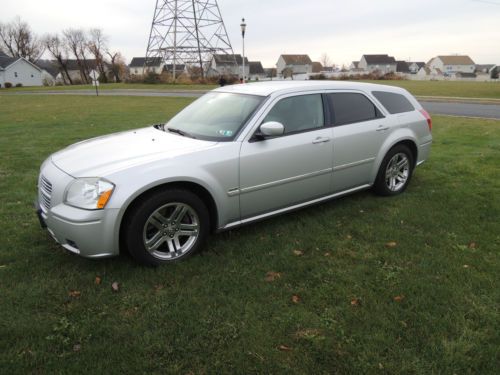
243	30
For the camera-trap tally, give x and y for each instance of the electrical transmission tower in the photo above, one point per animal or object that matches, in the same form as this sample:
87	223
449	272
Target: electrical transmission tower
187	32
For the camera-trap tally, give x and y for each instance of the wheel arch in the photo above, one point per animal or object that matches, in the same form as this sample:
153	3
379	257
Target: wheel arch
193	187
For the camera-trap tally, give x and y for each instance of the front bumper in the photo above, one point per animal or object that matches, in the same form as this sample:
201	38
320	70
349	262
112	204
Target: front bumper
90	234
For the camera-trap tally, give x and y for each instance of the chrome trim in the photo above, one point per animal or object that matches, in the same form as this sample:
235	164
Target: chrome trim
284	181
233	192
355	164
291	208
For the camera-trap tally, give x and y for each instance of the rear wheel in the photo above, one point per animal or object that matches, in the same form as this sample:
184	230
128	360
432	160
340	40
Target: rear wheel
166	227
395	171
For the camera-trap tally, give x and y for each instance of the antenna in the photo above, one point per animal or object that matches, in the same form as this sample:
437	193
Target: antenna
187	32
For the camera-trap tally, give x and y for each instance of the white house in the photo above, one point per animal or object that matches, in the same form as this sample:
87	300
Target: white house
296	64
430	73
382	64
452	64
138	66
228	65
416	66
256	71
18	70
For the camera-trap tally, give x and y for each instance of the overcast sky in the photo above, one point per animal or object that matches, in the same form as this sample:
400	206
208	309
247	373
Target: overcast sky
416	30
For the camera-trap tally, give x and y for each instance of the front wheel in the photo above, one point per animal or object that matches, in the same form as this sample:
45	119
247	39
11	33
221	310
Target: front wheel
166	227
395	171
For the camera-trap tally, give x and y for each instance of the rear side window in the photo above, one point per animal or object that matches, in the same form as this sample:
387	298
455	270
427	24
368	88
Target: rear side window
348	108
394	103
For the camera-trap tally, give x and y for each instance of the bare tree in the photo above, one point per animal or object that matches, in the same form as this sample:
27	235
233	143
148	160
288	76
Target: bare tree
325	60
57	49
18	40
97	45
287	72
118	66
76	42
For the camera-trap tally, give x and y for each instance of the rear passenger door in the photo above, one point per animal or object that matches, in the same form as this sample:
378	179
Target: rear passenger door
358	134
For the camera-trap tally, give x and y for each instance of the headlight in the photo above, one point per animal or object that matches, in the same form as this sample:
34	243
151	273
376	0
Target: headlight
89	193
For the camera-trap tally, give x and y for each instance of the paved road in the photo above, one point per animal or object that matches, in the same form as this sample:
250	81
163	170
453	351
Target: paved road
437	107
463	109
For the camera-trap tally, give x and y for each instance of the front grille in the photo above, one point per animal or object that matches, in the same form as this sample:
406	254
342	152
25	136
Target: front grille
45	188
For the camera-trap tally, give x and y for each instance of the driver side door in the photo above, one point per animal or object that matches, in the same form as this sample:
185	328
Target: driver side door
290	169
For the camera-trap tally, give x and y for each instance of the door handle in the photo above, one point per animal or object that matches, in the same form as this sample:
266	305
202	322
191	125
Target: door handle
321	140
382	128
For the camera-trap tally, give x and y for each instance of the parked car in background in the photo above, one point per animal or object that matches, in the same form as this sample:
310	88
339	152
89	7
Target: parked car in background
236	155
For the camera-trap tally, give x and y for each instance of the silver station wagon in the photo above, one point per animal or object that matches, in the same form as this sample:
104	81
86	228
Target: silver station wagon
237	154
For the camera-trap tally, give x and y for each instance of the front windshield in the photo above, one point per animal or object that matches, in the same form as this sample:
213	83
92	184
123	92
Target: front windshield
215	116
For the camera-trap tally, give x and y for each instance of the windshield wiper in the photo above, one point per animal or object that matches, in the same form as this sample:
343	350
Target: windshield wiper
180	132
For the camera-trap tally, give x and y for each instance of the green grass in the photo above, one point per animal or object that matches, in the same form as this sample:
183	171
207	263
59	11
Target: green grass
215	313
477	90
117	86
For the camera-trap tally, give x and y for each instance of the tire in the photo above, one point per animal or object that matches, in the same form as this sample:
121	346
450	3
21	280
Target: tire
166	227
395	171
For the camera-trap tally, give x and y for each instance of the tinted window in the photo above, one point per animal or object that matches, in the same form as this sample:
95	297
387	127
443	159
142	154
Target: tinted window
298	113
394	103
348	108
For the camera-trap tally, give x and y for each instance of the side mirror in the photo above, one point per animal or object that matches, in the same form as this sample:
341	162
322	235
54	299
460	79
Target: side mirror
272	129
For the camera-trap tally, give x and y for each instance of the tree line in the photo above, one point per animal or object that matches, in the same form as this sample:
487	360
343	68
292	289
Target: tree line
88	48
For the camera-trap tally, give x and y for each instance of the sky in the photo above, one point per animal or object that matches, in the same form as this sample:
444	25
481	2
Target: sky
344	30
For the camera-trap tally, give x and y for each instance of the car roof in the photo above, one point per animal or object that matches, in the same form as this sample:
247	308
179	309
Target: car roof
284	87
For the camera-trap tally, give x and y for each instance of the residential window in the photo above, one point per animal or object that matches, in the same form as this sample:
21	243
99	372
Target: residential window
15	74
298	113
348	108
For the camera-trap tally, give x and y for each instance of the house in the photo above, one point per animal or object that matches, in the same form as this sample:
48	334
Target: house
415	66
179	69
50	71
256	71
228	65
402	67
382	64
294	64
317	67
452	64
484	68
430	73
138	65
271	72
18	71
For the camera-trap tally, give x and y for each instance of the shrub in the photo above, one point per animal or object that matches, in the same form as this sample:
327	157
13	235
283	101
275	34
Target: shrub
8	85
19	85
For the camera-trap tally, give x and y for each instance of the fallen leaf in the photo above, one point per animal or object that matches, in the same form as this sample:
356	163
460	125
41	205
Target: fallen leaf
381	366
3	266
271	276
472	245
77	347
349	237
399	298
466	266
115	287
74	293
308	333
355	302
295	298
327	254
97	280
284	348
298	253
391	244
158	287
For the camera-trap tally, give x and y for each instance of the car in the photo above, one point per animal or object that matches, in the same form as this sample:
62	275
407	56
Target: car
236	155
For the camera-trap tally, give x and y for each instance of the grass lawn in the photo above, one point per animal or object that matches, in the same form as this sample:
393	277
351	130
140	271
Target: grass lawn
359	285
476	90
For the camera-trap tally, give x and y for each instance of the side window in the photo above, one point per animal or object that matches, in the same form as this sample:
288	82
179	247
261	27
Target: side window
348	108
394	103
298	113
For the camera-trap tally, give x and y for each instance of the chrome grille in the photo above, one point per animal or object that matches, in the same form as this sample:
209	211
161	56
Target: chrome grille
45	188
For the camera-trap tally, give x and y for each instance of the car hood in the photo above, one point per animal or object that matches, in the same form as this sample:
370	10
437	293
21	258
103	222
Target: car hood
99	157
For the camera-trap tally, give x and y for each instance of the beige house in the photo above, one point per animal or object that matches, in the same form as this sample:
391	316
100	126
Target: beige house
228	65
295	64
450	65
382	64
